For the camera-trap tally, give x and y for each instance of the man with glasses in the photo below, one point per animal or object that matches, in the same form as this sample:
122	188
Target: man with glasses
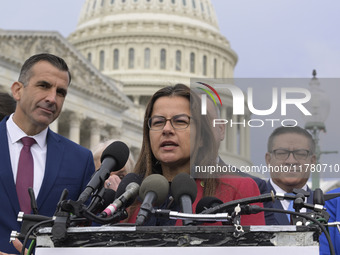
291	151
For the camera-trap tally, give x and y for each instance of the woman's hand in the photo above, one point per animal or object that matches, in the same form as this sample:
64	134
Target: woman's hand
112	182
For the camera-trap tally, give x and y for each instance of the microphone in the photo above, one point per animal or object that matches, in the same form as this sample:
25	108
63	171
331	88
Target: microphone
153	191
206	203
184	191
318	197
108	197
113	158
331	196
33	201
126	193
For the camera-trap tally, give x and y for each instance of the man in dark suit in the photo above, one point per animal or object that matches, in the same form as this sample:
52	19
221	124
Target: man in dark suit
290	151
58	162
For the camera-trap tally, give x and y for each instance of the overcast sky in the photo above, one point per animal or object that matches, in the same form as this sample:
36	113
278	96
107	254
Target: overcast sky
282	38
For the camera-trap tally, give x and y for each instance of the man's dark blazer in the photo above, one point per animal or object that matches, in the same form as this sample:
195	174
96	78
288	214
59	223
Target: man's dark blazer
282	218
68	165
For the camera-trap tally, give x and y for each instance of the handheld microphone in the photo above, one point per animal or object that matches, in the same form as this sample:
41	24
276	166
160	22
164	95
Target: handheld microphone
114	158
184	191
126	193
107	198
153	191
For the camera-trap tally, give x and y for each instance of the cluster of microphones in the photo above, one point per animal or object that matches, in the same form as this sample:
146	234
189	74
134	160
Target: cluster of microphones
99	205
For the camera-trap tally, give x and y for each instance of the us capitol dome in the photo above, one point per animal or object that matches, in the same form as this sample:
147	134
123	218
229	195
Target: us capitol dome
148	44
121	52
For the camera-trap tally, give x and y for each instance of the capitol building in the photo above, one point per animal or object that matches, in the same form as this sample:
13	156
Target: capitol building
121	52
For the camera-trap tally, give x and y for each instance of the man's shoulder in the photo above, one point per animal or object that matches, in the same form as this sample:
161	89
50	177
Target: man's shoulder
57	138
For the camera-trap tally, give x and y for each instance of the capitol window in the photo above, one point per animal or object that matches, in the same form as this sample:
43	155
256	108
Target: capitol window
184	2
116	59
89	57
215	68
112	1
131	58
192	62
194	4
178	60
208	10
147	58
163	59
101	60
204	65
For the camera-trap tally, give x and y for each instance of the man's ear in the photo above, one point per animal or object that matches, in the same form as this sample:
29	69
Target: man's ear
16	90
313	159
268	158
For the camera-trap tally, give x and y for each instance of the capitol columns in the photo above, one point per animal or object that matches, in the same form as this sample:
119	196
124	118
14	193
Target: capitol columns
247	137
54	125
234	132
244	136
225	141
96	127
136	100
75	120
115	133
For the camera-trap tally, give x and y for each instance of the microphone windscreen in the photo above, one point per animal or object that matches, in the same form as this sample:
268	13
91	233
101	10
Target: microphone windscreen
129	178
156	183
183	184
119	151
206	203
318	197
108	197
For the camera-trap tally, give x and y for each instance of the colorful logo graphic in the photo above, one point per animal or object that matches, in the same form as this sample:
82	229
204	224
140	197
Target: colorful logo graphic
209	93
204	97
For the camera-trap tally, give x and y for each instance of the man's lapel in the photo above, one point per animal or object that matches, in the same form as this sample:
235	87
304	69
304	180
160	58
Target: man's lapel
6	173
54	156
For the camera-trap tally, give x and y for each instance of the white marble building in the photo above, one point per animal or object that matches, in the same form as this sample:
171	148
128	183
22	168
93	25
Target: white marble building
121	52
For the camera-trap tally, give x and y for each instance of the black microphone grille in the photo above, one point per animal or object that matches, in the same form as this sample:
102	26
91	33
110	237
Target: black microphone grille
130	177
183	184
156	183
108	197
206	203
318	197
119	151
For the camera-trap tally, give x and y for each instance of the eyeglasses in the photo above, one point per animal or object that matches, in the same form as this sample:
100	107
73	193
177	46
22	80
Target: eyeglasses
282	154
181	121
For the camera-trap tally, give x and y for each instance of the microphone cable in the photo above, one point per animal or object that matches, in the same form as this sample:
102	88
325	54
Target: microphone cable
30	232
253	209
